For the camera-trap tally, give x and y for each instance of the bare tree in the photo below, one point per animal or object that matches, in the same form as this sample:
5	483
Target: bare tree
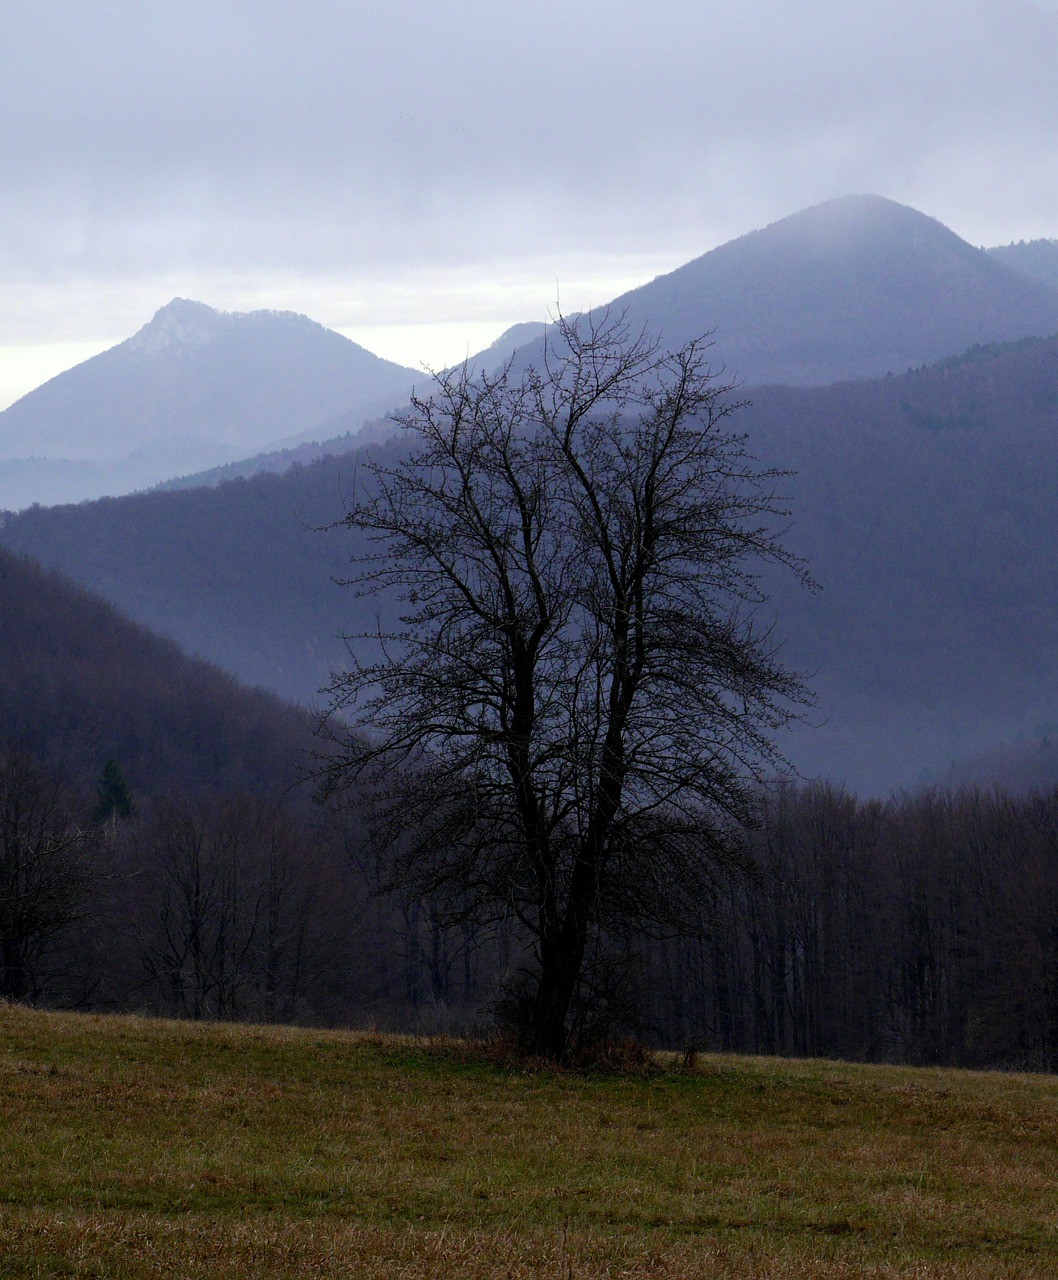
571	718
231	898
43	873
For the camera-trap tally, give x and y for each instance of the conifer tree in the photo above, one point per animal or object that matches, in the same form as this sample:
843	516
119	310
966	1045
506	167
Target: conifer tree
112	794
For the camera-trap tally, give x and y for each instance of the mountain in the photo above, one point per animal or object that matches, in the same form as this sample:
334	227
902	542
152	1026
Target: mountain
849	289
193	388
924	504
852	288
348	431
1034	259
507	345
240	574
81	684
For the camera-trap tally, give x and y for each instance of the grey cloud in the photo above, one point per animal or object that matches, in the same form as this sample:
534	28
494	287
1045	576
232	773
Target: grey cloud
337	136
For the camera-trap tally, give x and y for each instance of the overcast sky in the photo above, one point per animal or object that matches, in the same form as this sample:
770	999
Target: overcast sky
422	174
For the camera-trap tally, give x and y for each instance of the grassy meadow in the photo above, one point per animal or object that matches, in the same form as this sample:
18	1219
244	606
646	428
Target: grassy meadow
136	1148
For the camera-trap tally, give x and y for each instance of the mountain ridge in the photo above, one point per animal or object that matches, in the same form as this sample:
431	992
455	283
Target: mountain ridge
193	387
923	501
851	288
1035	259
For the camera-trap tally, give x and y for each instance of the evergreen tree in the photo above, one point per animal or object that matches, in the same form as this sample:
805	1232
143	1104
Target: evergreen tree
112	794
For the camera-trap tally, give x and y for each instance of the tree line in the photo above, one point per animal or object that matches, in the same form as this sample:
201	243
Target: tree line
922	928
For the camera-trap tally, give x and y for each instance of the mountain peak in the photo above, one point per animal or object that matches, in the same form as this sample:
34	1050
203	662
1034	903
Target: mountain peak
863	207
194	387
180	323
184	309
858	224
854	287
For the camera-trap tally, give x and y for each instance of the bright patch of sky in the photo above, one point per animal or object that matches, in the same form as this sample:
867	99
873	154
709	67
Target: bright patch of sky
24	367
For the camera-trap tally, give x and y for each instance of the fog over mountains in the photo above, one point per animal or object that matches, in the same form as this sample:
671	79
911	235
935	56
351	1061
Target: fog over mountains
193	388
923	503
923	498
852	288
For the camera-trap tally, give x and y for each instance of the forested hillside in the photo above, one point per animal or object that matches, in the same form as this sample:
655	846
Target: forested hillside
923	504
80	684
240	574
157	844
1035	259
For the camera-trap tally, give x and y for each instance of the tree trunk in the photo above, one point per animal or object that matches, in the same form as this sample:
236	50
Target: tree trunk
549	1031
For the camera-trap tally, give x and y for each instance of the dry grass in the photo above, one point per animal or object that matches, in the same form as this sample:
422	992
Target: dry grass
133	1148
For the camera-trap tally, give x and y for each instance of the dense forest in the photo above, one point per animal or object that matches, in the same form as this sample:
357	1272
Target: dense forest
920	929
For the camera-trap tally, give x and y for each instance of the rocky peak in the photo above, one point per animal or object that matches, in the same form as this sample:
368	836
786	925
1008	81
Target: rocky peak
180	324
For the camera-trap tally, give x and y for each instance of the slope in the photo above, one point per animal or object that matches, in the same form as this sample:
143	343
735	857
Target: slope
852	288
280	1153
193	388
924	504
348	431
80	684
1035	259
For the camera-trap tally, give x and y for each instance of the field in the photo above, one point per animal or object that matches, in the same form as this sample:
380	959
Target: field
134	1148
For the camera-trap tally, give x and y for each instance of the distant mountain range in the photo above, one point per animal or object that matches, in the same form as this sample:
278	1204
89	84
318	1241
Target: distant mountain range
853	288
193	388
850	289
923	498
924	503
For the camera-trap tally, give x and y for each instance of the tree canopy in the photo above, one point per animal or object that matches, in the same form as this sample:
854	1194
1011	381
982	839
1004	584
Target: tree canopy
569	723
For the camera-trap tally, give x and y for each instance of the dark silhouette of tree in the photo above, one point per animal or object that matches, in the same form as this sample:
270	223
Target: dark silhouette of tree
232	895
573	715
112	794
42	870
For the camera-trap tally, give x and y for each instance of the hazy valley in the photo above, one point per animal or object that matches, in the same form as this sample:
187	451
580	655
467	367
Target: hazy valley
911	494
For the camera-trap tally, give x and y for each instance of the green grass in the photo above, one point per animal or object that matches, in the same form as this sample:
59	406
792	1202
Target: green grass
137	1148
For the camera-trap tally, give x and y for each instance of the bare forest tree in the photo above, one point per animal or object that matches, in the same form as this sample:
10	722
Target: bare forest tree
43	869
231	899
573	715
